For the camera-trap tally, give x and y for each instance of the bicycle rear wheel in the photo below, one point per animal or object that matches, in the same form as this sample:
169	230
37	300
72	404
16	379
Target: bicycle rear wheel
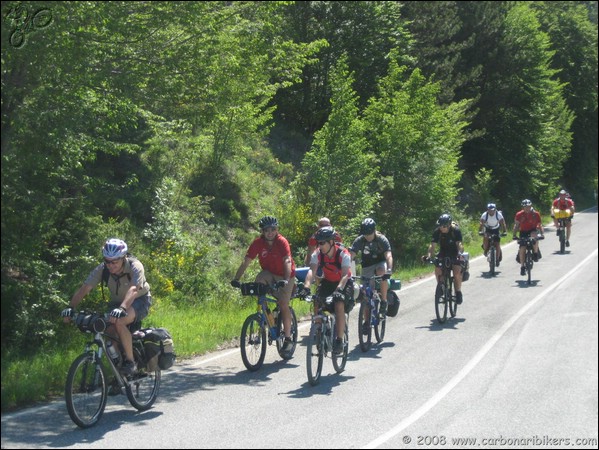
281	339
315	354
339	361
142	390
365	339
253	342
440	303
86	390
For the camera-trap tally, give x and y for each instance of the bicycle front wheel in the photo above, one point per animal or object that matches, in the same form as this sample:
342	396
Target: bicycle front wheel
142	390
315	354
492	260
86	390
253	343
339	361
363	324
450	299
529	265
281	339
440	303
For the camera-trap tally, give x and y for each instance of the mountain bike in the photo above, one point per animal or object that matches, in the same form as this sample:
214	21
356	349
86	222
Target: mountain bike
264	327
369	307
321	338
493	240
87	385
529	254
444	295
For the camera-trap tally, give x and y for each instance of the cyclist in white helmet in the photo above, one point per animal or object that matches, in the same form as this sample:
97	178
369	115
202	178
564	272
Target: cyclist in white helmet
130	297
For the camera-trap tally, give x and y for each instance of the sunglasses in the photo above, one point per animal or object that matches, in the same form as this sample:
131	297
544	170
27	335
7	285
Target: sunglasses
443	226
111	261
322	242
269	229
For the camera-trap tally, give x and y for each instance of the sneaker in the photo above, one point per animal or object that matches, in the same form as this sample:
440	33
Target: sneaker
497	261
383	309
567	243
539	256
522	270
365	328
518	257
535	257
486	254
459	298
128	368
338	346
287	345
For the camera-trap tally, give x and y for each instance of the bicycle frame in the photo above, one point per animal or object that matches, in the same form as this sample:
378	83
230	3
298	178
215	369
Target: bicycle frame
257	331
86	388
529	243
444	296
320	342
369	306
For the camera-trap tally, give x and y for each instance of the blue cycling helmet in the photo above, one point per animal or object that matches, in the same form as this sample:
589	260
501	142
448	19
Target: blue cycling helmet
368	226
491	206
526	202
325	234
268	221
114	248
444	219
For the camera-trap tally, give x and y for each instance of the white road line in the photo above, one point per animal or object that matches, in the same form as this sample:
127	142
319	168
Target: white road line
426	407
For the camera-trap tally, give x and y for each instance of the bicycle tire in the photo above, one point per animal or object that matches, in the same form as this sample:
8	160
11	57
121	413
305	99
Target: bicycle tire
281	338
562	241
380	324
440	303
86	390
529	266
314	354
450	299
253	342
143	389
339	361
492	259
365	339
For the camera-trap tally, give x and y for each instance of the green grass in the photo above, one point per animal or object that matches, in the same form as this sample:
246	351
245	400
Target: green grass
196	330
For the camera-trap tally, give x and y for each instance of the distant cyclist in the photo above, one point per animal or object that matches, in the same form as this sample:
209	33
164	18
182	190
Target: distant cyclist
528	223
312	242
563	203
492	222
449	237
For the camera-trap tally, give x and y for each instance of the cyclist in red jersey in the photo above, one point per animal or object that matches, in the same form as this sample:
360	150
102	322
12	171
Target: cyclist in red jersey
313	243
528	223
563	204
274	254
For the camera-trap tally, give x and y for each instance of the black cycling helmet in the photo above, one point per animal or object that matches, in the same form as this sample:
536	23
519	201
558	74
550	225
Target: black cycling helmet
368	226
268	221
526	202
325	234
444	219
491	206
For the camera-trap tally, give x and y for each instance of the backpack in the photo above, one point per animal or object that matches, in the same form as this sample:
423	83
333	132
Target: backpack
159	348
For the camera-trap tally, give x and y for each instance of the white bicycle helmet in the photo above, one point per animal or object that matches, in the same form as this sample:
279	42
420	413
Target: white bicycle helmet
114	248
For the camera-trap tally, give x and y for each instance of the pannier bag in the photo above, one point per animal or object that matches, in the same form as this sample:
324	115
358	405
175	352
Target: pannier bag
466	266
158	345
392	303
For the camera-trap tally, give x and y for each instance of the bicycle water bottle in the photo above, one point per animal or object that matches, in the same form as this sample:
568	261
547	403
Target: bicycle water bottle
112	352
270	318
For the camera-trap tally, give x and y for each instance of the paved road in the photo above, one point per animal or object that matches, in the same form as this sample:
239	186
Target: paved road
517	367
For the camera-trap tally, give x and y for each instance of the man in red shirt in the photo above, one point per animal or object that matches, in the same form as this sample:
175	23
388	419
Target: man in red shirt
274	254
563	205
528	222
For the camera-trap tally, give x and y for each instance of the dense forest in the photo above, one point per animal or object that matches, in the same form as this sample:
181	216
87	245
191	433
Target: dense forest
177	125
